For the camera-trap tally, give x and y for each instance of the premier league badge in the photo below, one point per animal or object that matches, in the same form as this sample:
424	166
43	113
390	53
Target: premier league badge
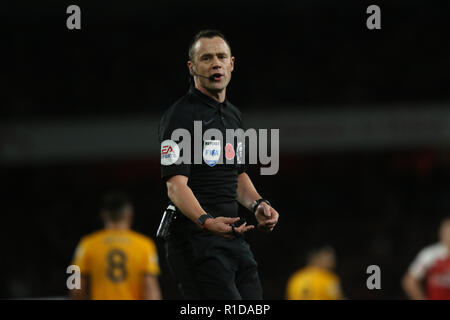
211	152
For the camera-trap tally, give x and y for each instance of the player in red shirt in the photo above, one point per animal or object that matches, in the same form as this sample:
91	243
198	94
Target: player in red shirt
432	264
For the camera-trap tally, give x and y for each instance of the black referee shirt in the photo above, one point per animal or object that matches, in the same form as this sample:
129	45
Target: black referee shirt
210	184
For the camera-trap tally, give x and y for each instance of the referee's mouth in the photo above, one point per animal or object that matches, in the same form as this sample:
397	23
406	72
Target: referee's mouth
216	77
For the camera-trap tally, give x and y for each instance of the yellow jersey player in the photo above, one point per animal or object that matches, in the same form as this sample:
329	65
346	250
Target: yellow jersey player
317	280
117	263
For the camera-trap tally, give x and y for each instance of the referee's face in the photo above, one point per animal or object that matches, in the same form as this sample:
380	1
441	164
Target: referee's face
444	232
213	62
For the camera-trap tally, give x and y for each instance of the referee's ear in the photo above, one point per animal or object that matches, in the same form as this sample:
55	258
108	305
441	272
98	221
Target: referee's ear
190	66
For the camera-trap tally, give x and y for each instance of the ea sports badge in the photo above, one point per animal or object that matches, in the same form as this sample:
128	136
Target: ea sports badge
211	152
170	152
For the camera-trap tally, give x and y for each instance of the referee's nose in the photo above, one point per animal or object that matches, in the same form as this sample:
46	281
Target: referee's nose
217	64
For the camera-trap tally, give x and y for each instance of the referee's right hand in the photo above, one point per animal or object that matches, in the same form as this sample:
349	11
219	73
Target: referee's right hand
222	226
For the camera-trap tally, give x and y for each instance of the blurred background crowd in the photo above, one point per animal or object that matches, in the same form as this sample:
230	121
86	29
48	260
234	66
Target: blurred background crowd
364	121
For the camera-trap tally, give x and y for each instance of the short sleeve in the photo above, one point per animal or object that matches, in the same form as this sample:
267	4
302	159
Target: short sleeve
171	150
333	290
419	266
81	257
151	264
426	259
293	289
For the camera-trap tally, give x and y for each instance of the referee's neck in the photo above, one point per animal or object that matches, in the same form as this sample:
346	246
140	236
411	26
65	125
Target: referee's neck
117	226
216	95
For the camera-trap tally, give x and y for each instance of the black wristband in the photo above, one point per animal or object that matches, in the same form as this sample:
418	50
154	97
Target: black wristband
256	204
201	220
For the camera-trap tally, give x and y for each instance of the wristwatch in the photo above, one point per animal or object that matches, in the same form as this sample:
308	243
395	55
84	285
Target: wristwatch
256	203
202	219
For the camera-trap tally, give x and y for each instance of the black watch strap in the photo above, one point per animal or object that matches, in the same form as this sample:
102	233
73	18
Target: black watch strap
201	220
257	203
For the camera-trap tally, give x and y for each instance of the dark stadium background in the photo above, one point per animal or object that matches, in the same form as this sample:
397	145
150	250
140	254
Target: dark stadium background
375	205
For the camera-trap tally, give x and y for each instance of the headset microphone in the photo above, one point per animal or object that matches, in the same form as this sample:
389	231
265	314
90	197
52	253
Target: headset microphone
199	75
211	77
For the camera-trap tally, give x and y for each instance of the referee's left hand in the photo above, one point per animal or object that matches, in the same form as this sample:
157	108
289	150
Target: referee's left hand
266	216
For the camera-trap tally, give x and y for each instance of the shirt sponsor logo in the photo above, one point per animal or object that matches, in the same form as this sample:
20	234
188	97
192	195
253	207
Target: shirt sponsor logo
170	152
211	152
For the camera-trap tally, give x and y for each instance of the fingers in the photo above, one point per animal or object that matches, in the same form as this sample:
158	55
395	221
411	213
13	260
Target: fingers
273	218
266	228
226	228
272	221
267	212
264	209
243	228
268	224
228	220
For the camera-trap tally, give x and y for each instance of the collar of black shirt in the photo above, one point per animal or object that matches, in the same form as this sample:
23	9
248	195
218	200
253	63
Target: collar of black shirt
207	99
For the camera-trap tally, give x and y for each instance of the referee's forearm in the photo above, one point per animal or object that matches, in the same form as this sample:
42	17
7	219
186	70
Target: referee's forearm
183	198
246	192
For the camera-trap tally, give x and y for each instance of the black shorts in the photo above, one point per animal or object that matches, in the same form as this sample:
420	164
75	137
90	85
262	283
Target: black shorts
207	266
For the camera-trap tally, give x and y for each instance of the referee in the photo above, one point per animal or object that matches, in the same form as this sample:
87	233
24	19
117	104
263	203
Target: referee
206	251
